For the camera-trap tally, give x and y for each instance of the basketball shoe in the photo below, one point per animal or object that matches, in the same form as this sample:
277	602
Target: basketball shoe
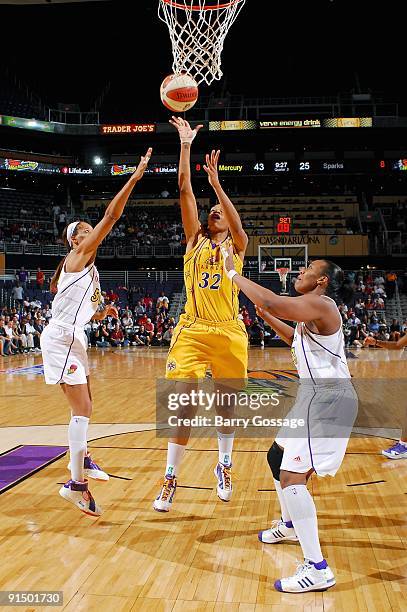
308	577
78	494
164	501
92	470
223	474
278	532
397	451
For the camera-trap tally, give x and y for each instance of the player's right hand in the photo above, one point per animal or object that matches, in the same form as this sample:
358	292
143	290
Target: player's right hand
369	341
139	172
186	133
259	312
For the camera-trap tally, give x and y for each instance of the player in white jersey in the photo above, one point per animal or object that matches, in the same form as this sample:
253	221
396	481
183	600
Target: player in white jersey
64	343
326	402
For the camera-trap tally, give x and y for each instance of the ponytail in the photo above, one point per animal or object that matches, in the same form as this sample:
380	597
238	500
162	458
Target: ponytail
57	274
337	289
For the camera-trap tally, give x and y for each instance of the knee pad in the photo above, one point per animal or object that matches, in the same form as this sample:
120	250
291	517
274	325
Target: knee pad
274	458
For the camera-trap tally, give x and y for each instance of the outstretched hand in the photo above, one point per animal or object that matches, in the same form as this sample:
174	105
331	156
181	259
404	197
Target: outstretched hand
369	341
186	133
228	262
211	167
139	172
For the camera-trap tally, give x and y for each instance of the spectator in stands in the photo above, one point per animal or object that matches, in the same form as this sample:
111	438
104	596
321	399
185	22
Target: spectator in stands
142	320
117	336
14	341
111	296
33	336
18	294
102	337
140	309
127	320
168	335
149	328
162	297
391	279
40	277
142	338
256	331
147	302
22	277
395	330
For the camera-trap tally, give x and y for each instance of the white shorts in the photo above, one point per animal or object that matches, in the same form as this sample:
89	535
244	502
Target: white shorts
64	355
329	414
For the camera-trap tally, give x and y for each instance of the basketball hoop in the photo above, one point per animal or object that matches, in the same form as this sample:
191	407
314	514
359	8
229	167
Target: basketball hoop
283	273
198	29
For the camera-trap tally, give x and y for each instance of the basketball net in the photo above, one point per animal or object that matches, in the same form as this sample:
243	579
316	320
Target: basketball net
283	273
198	29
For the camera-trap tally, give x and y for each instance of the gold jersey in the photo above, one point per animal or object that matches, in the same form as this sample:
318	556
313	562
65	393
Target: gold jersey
211	295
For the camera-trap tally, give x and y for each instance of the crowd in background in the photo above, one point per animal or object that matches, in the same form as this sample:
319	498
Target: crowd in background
144	319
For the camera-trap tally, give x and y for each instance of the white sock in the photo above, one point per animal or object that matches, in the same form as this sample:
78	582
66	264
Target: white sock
304	517
285	515
225	446
175	454
77	436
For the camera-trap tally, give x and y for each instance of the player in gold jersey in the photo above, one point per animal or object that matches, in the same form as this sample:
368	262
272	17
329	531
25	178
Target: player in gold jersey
209	334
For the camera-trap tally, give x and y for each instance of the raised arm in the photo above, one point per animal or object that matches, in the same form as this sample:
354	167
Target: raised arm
239	236
285	332
113	212
189	211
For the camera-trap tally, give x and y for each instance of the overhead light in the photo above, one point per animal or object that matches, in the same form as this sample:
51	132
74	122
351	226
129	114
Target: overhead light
97	160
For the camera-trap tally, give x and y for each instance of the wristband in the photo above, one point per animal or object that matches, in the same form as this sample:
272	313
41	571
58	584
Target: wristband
231	274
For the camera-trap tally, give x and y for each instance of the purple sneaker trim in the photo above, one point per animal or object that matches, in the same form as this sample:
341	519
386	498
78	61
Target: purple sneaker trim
90	465
76	486
278	587
259	535
321	565
289	524
397	448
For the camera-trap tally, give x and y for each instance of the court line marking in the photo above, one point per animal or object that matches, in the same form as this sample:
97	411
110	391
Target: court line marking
362	484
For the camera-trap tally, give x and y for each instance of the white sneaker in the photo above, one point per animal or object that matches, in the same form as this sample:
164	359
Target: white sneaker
397	451
92	470
307	578
78	494
166	496
223	474
278	532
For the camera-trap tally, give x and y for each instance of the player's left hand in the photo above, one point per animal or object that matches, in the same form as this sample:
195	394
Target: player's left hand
211	167
228	262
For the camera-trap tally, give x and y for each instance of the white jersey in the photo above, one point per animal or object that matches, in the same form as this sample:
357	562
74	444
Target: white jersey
317	356
77	298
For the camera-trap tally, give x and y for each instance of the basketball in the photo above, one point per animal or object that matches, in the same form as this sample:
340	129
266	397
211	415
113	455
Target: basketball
179	92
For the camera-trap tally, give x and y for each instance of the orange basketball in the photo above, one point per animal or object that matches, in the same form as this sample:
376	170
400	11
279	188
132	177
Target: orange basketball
179	92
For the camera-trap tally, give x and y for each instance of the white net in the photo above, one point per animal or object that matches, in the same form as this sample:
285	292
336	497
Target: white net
198	29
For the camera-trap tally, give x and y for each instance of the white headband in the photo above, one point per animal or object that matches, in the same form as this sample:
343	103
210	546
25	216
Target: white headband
70	231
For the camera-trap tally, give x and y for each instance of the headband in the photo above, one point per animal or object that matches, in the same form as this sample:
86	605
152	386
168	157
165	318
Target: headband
70	232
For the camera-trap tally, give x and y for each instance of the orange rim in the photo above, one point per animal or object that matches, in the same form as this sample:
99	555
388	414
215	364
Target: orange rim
196	7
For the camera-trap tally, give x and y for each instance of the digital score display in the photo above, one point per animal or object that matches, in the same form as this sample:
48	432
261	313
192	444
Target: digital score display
284	225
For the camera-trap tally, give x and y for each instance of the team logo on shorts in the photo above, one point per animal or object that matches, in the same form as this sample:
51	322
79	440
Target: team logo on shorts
72	368
171	366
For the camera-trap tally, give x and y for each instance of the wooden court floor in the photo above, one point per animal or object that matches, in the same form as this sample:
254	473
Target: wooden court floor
204	555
